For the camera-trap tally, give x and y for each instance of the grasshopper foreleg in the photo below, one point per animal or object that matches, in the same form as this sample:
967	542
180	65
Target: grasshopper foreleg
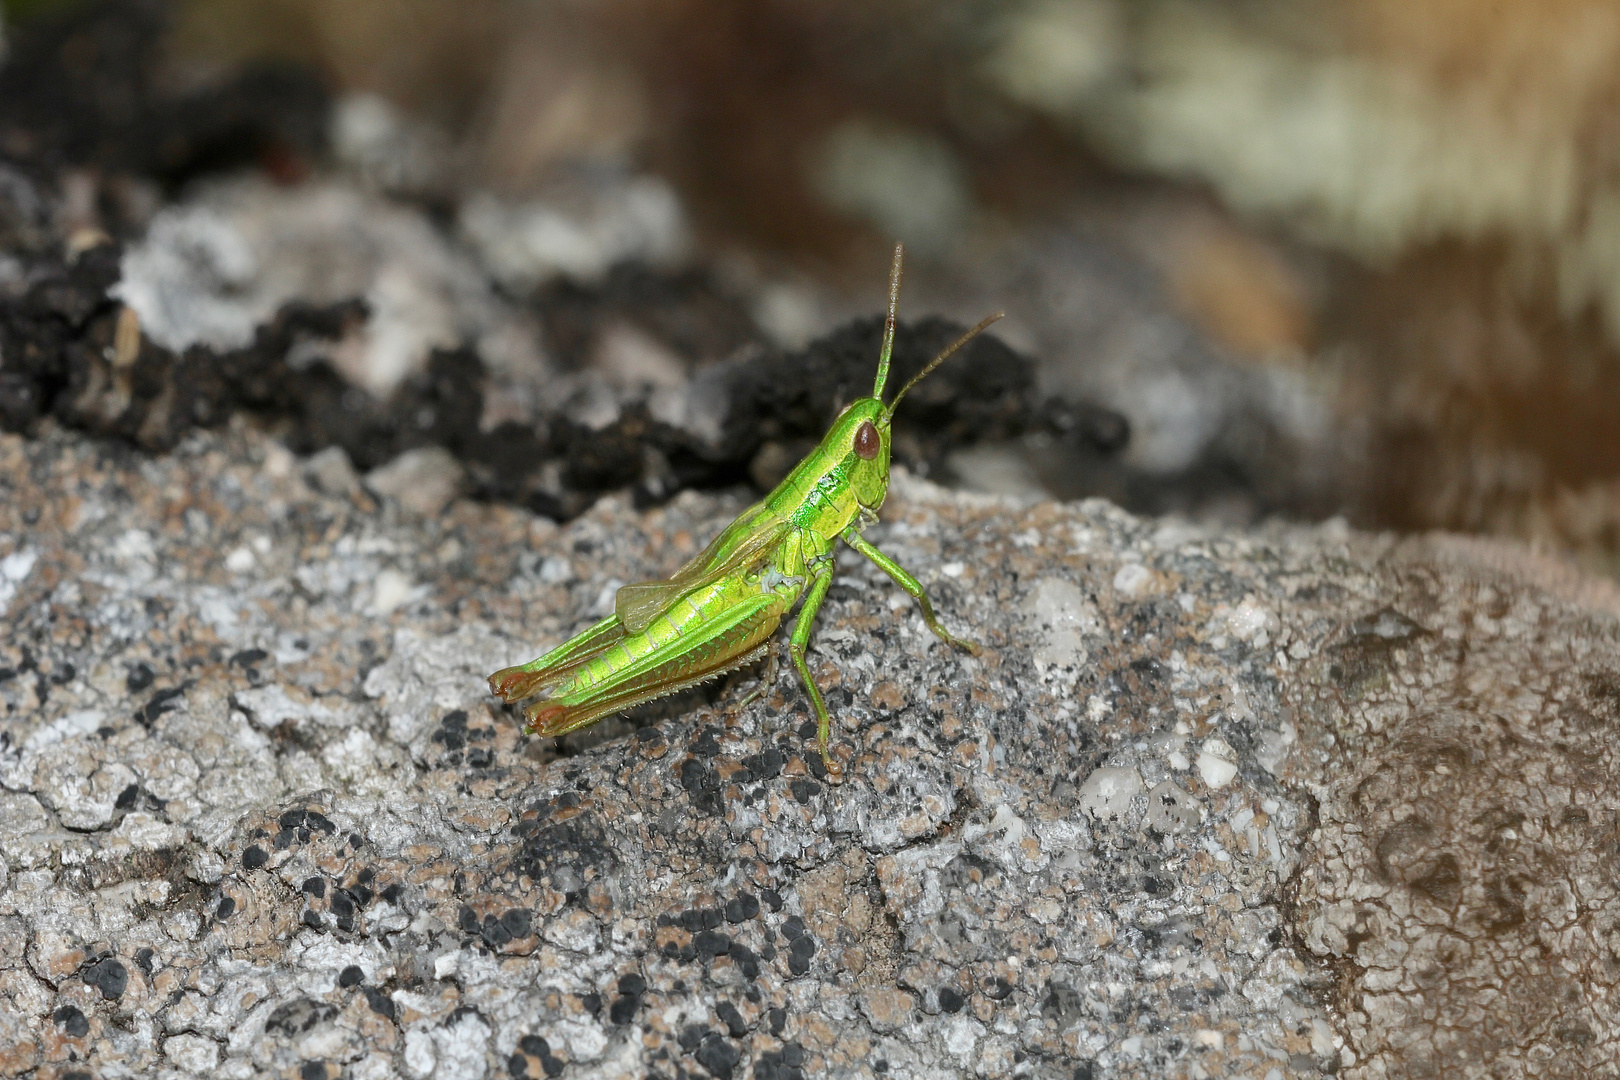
855	540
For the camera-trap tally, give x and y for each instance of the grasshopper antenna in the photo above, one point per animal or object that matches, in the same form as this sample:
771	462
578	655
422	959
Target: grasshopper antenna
888	322
942	357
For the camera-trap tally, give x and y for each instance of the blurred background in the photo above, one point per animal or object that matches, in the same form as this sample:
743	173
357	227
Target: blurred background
1297	258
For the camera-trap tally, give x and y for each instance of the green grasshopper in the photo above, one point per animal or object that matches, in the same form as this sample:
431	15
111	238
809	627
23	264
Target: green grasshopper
718	612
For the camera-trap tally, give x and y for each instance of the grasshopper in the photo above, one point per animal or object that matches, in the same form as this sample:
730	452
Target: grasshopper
718	612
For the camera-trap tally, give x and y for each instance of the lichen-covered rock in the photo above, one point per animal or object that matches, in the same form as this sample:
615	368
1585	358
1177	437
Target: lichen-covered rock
1280	804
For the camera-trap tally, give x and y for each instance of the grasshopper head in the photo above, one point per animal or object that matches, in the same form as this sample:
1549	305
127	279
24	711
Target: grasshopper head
859	441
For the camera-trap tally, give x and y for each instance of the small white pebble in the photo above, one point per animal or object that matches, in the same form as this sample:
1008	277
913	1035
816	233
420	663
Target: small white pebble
391	590
1321	1038
1216	772
240	561
1107	792
419	1057
278	461
15	567
1132	579
1216	764
193	1053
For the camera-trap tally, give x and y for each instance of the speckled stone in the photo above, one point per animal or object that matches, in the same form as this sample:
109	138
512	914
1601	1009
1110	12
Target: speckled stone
1271	804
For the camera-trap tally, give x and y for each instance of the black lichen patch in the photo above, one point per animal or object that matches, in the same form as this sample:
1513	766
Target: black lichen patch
570	851
718	1055
800	953
72	1021
729	1016
784	1064
742	907
495	930
379	1002
703	785
765	765
697	920
108	975
159	703
298	1016
534	1059
632	988
711	943
140	677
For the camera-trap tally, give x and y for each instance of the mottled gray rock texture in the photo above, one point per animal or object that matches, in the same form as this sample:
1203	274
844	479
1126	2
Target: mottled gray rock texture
1274	804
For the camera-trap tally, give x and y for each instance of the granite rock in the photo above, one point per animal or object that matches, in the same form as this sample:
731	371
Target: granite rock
1286	803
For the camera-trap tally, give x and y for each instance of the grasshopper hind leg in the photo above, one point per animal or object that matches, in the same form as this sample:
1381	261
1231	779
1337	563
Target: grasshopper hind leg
552	718
513	684
728	642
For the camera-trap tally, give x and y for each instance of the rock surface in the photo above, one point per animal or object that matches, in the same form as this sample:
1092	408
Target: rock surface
1270	804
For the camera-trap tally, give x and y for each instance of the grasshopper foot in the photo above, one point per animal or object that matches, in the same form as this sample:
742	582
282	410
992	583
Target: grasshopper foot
835	771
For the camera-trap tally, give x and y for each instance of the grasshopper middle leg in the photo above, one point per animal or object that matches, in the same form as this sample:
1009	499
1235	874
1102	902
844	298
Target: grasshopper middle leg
796	647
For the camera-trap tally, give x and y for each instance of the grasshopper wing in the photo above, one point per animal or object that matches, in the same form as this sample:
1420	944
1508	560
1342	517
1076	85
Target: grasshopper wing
741	546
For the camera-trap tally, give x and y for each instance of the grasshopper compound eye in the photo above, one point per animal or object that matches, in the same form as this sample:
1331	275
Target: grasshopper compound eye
867	443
